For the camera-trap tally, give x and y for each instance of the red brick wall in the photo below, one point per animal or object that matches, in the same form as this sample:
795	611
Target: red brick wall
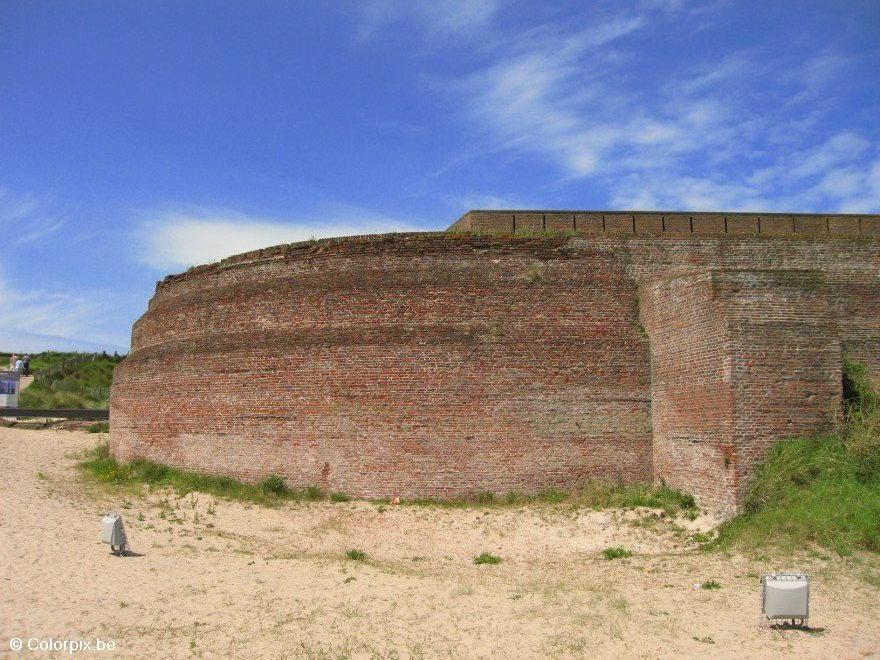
739	360
692	398
440	364
424	366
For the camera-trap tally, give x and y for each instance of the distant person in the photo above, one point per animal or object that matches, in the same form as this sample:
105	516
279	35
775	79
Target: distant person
12	360
18	366
26	365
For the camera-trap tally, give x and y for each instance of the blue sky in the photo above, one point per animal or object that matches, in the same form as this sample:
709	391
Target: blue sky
138	138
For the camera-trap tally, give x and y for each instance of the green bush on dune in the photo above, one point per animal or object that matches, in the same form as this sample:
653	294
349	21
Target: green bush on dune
69	380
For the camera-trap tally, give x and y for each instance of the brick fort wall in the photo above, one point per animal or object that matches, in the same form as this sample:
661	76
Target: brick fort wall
487	359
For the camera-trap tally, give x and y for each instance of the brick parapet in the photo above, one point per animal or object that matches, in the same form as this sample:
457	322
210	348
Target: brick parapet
666	223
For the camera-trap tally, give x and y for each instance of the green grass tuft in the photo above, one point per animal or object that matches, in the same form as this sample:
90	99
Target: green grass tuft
616	553
356	555
98	427
710	585
273	485
823	489
313	493
339	497
486	558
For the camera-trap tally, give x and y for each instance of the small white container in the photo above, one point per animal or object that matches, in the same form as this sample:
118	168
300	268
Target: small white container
113	532
786	596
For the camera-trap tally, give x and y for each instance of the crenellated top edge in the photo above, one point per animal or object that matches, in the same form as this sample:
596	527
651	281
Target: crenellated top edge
652	223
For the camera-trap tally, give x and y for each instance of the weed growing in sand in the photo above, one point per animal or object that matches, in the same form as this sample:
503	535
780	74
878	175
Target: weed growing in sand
616	553
486	558
822	489
339	497
356	555
710	585
42	476
98	427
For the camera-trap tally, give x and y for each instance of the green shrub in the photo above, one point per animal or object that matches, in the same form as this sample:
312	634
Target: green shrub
616	553
486	558
356	555
710	585
98	427
339	497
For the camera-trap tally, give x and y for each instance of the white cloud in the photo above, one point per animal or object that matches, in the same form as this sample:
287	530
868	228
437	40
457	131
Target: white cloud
35	320
179	239
27	218
739	133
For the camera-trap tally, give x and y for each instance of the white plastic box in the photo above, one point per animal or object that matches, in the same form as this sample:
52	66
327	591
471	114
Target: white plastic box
113	532
786	596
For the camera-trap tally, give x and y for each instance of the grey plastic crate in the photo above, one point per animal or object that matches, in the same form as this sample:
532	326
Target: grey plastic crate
786	596
113	532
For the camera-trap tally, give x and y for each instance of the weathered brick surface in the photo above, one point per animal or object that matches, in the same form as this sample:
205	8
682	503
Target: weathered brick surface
444	364
739	359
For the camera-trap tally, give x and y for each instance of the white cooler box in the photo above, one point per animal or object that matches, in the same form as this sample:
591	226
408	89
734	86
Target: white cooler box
113	532
786	596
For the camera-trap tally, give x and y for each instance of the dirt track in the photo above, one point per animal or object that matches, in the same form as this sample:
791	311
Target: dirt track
226	579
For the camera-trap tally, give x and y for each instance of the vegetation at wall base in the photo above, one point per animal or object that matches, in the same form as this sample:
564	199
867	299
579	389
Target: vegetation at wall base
594	494
102	467
819	490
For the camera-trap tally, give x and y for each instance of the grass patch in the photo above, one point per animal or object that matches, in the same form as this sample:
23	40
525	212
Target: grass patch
486	558
339	497
356	555
616	553
822	489
98	427
593	494
710	585
100	466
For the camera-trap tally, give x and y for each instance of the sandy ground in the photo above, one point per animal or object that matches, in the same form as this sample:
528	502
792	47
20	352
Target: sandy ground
224	579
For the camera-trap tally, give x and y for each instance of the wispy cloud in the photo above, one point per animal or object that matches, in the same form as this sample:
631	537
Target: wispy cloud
25	218
39	319
740	132
176	239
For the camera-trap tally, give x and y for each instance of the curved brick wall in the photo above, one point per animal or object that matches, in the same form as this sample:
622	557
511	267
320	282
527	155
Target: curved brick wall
445	364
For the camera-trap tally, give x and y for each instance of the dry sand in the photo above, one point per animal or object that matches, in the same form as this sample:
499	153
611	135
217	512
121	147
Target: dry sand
224	579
